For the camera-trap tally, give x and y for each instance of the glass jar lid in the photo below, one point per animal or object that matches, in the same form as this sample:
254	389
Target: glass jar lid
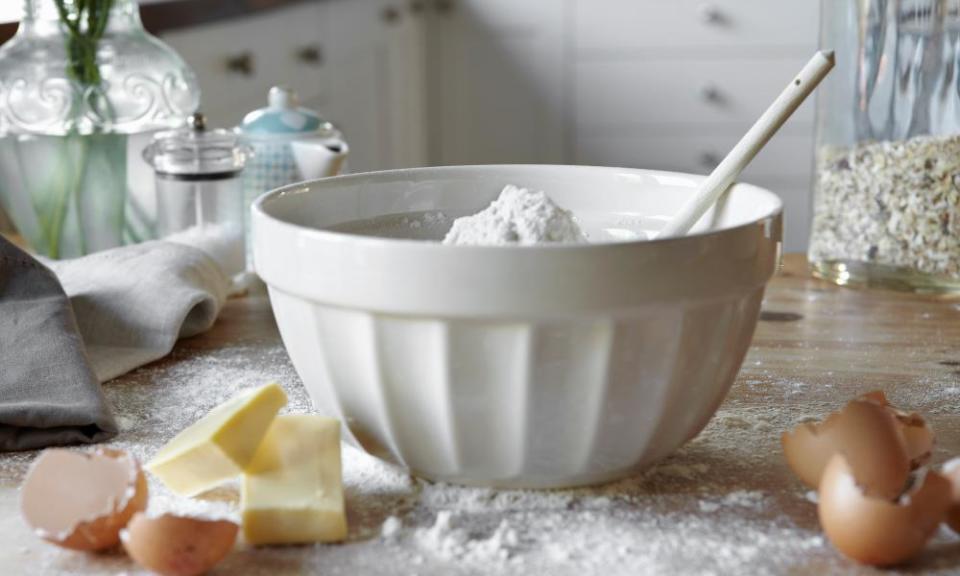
195	153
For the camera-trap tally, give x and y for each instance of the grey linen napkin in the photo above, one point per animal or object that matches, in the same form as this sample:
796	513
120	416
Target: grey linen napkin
48	393
117	310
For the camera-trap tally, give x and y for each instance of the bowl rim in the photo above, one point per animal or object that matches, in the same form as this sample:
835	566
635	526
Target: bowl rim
430	279
258	209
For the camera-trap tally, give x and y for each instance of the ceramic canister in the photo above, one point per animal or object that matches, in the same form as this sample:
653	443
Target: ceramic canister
282	136
290	144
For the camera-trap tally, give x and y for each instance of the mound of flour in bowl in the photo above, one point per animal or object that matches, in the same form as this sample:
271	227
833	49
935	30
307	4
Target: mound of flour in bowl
518	216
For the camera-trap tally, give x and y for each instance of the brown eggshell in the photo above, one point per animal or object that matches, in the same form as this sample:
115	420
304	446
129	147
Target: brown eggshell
951	470
82	500
867	434
807	451
178	545
917	433
876	531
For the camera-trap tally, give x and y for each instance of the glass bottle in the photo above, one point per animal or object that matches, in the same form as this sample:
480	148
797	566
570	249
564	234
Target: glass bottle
887	191
73	125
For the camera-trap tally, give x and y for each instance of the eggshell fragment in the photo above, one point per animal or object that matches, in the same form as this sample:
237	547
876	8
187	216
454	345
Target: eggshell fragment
876	531
916	432
178	545
867	434
951	470
81	500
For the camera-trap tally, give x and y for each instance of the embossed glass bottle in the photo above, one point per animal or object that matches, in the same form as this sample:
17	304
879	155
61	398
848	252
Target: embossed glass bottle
71	173
887	196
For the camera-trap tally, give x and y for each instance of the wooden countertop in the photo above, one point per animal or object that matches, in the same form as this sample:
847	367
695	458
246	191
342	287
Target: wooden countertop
724	503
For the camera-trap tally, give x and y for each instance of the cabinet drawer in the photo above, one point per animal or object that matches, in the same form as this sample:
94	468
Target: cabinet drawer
503	17
625	25
209	50
789	155
237	61
632	93
297	54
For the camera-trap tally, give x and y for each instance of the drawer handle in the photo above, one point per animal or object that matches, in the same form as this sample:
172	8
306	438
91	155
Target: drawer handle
711	14
418	7
242	64
390	15
311	54
709	160
712	94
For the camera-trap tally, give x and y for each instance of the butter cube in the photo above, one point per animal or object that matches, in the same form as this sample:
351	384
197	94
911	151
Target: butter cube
292	491
220	445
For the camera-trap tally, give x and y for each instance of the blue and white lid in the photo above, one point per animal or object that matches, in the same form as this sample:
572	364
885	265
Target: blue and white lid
284	117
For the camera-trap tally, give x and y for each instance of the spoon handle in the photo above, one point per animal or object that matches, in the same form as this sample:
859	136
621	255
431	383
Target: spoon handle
752	142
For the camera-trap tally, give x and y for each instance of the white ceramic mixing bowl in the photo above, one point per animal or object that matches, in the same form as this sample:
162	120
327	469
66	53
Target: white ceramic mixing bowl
539	366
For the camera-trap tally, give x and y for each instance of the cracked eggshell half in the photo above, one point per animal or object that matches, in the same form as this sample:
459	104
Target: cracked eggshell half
877	531
917	434
866	433
174	545
81	500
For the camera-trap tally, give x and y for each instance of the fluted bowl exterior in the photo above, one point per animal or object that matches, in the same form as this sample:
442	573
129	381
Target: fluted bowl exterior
529	367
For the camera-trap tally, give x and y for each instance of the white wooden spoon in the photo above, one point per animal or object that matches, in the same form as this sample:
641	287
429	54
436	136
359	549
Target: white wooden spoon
752	142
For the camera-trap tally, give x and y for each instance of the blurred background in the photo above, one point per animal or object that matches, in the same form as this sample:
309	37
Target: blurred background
667	84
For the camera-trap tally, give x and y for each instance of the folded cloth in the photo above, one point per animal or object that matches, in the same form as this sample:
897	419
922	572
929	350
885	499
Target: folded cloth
133	303
109	313
48	393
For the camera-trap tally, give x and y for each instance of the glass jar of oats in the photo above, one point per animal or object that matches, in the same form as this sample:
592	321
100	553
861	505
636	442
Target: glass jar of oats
887	186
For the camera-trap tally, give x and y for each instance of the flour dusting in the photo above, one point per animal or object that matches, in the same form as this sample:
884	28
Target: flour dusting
448	542
518	216
725	503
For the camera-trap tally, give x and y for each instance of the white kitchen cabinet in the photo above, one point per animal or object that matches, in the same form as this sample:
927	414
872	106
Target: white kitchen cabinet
789	155
355	62
667	84
237	61
706	28
375	89
497	82
633	94
674	84
358	62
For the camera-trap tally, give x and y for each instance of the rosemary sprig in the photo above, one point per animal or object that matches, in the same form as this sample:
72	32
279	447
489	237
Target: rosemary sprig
85	21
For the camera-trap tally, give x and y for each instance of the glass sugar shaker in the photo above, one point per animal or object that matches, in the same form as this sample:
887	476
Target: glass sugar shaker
200	190
887	193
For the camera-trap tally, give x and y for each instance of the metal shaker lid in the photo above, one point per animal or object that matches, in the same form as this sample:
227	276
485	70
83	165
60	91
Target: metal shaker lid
196	153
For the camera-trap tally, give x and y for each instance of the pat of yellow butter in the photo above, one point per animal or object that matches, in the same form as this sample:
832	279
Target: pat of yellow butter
220	445
292	491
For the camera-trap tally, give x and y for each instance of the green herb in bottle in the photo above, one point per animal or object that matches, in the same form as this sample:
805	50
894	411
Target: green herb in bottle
86	21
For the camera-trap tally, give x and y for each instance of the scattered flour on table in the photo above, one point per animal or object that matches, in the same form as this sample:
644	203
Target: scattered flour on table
738	498
711	508
518	216
648	524
391	526
448	542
